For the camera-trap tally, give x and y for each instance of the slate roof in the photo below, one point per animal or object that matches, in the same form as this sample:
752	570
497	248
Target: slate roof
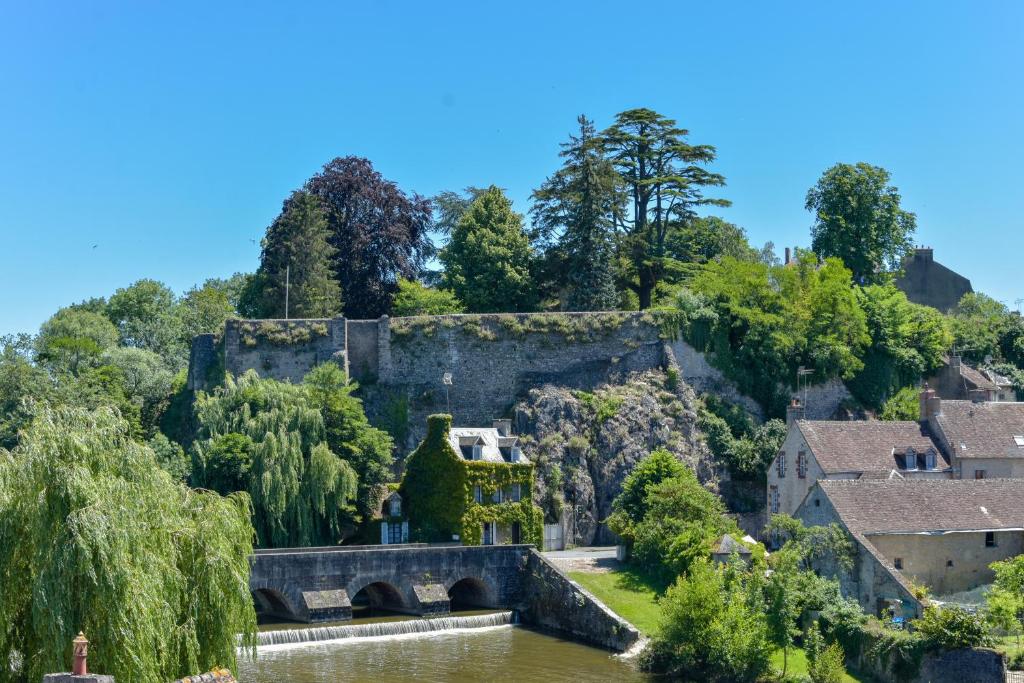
727	545
982	430
490	440
878	506
865	446
976	378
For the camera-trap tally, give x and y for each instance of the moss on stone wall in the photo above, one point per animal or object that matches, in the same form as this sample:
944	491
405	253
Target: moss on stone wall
279	332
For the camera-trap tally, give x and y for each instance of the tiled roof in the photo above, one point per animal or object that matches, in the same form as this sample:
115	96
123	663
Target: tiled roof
982	430
975	378
865	446
877	506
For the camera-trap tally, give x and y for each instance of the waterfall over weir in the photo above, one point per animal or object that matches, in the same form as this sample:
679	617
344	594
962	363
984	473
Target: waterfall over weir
387	628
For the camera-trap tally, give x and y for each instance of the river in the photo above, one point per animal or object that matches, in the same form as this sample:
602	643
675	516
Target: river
492	653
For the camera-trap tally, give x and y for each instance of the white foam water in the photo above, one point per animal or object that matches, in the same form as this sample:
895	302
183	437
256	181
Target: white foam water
406	627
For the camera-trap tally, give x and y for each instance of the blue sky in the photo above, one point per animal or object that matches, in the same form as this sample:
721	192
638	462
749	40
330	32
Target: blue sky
167	134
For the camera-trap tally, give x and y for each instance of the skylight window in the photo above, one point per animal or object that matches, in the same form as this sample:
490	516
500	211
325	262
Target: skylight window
1019	440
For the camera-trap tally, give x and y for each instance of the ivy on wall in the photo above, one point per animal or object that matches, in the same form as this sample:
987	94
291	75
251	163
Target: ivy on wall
438	490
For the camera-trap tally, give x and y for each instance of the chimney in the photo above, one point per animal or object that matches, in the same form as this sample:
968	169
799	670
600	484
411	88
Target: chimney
931	404
504	427
786	262
794	412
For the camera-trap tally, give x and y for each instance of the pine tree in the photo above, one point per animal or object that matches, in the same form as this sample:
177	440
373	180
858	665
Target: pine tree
297	253
487	261
580	202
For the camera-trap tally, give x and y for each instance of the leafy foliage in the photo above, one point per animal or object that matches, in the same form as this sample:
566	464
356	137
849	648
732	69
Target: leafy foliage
439	486
415	298
301	491
858	219
577	208
72	340
746	448
950	627
95	537
298	256
711	629
664	177
379	233
903	405
487	259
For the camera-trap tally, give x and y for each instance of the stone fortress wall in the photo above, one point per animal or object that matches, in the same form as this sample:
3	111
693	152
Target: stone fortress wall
493	359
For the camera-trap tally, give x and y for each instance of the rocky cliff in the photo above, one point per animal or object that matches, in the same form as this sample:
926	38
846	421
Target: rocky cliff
584	444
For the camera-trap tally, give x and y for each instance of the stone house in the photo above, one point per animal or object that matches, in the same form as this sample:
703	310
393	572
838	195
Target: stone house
394	526
953	440
957	380
940	533
470	485
926	281
829	449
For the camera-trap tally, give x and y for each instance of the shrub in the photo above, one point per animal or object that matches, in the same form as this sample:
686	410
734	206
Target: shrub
828	666
951	628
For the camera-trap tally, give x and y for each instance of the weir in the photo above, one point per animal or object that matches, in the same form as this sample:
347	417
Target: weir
322	584
387	628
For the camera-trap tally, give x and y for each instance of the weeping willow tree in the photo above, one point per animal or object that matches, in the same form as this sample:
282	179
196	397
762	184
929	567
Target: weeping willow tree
95	537
302	493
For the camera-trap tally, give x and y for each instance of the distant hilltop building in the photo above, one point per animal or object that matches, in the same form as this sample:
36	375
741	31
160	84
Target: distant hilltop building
926	281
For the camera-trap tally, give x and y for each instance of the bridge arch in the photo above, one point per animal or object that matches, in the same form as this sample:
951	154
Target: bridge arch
376	596
275	603
471	592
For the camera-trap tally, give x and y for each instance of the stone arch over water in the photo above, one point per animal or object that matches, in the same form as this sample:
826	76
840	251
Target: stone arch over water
471	593
378	596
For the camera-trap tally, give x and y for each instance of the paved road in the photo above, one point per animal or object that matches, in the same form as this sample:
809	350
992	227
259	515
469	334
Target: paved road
595	559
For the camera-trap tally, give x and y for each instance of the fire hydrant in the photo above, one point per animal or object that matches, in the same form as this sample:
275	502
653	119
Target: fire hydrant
80	647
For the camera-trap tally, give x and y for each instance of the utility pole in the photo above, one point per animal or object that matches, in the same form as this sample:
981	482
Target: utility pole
287	286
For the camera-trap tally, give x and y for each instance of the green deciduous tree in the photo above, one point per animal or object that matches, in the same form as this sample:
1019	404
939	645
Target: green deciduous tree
94	536
858	218
630	507
145	314
665	178
1005	602
301	491
711	629
577	209
379	233
350	435
415	298
298	255
145	378
22	383
72	340
487	260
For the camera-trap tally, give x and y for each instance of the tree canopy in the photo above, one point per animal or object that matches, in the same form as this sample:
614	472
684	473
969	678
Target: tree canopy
858	219
94	536
379	233
487	259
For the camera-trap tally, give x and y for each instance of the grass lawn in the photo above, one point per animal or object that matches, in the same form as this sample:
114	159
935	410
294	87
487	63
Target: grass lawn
627	593
1008	645
798	665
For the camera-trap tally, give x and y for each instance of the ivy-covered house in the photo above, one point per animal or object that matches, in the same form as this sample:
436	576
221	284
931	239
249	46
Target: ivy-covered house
470	485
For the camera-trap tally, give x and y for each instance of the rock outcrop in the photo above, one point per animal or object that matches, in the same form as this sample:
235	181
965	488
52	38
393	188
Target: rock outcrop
584	444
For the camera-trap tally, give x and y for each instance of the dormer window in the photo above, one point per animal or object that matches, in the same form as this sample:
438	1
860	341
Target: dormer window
929	460
1019	440
395	506
910	460
478	452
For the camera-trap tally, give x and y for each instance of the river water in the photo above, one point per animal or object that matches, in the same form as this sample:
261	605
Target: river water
495	653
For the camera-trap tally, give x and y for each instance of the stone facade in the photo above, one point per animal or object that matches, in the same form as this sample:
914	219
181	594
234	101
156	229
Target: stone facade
493	359
926	281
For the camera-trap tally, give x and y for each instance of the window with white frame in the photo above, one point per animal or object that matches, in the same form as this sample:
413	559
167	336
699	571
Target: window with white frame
517	492
394	532
773	498
929	460
478	494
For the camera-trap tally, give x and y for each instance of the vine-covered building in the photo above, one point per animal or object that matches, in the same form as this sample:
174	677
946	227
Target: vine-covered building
470	485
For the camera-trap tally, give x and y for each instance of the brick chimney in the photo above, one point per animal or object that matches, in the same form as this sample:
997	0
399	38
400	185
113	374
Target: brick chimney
794	412
930	403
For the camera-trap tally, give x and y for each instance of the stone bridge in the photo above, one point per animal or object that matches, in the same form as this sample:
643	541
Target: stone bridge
325	584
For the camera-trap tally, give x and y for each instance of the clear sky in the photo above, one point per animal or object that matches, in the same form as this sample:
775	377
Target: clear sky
145	139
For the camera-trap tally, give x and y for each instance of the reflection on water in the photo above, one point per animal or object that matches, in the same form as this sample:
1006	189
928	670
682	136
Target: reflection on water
502	653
